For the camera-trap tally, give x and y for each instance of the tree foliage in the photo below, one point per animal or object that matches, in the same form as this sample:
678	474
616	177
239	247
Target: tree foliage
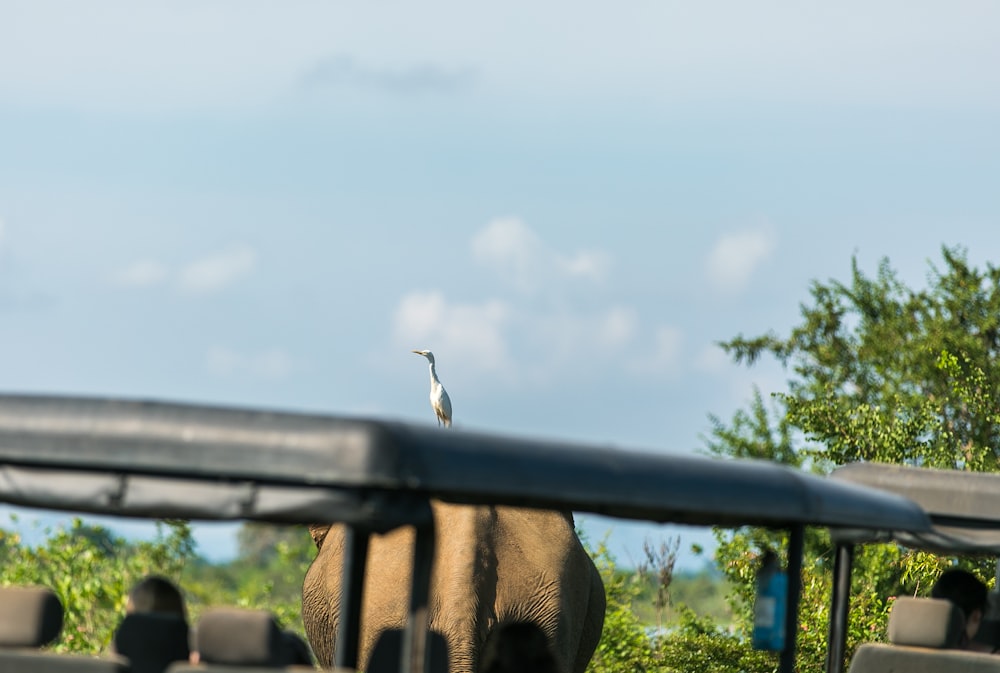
877	372
883	372
625	645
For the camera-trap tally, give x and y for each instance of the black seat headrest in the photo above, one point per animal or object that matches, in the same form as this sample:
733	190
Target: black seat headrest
29	616
925	622
240	637
388	649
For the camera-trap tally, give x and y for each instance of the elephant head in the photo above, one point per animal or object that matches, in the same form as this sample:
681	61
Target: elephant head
492	566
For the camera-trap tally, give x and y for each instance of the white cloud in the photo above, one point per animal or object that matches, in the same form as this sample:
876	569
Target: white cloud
585	264
217	271
202	276
667	348
663	355
568	343
342	70
142	273
617	327
471	334
242	54
419	315
272	364
556	337
735	257
512	249
551	345
268	365
223	361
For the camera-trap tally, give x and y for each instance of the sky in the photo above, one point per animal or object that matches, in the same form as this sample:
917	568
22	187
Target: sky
270	204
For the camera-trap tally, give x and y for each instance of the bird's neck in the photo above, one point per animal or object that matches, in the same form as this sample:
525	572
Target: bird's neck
434	375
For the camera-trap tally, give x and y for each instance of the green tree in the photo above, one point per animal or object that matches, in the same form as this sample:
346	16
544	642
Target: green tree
883	372
263	543
878	372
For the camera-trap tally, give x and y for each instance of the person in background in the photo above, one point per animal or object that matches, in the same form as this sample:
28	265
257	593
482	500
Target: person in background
970	595
156	594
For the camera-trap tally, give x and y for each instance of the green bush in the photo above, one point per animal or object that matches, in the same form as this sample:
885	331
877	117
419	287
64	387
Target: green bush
625	646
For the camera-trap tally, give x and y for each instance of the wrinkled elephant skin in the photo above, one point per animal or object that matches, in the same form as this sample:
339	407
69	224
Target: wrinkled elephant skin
492	565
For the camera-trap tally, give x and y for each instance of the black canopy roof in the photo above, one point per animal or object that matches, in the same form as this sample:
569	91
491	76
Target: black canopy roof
964	507
155	459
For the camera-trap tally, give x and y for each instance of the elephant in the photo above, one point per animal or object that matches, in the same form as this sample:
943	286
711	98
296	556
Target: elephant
493	565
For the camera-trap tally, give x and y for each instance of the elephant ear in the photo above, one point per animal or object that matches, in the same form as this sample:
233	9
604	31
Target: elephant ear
318	532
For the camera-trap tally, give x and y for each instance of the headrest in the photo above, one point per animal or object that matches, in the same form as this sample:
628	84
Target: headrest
926	622
388	649
517	646
29	616
152	640
297	651
239	637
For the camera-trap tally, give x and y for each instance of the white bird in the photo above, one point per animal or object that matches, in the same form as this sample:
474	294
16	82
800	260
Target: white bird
440	402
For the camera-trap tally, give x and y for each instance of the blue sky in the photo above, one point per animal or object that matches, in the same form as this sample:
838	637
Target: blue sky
271	204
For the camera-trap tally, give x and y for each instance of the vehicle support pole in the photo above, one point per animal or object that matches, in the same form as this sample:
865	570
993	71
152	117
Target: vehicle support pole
351	585
839	603
415	652
796	542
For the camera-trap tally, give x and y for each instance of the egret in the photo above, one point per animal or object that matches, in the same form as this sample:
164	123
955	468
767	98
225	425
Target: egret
440	402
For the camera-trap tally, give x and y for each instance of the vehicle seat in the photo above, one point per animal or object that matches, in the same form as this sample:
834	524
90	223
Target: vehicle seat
236	639
29	616
388	650
922	633
152	641
32	617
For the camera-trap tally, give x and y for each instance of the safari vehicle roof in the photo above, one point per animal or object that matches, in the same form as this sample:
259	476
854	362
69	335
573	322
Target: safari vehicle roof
964	507
156	459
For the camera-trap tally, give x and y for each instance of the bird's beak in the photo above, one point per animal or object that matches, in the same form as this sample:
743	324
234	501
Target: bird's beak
418	352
